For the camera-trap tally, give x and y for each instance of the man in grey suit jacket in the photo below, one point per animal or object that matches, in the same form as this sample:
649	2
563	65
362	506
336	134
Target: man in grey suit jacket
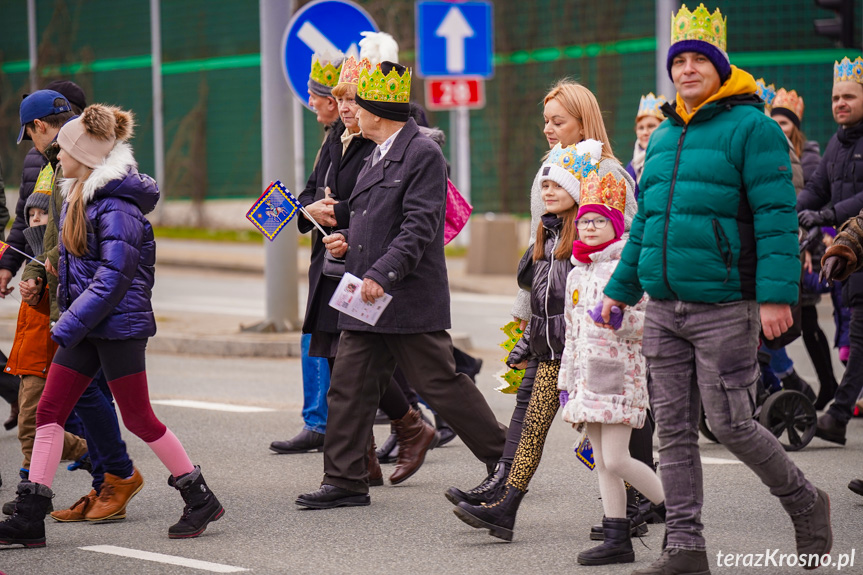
396	247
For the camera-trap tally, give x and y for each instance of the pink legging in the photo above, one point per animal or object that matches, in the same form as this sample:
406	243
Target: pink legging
71	373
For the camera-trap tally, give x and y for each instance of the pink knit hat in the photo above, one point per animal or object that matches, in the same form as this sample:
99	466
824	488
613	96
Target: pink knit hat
90	137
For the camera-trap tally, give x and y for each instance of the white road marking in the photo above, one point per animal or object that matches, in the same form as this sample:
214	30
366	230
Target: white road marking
160	558
211	405
227	309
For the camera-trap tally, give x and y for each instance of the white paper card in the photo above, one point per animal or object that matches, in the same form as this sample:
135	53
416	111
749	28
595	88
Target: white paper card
348	300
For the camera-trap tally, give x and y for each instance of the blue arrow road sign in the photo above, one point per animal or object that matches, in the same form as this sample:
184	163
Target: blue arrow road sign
454	39
322	26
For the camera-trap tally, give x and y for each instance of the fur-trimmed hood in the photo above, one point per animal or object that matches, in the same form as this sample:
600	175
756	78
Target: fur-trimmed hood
118	176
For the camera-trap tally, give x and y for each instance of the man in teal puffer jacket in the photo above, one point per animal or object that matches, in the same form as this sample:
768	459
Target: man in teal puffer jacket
714	245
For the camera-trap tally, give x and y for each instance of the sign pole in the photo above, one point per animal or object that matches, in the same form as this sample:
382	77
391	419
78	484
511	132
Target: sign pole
277	119
664	10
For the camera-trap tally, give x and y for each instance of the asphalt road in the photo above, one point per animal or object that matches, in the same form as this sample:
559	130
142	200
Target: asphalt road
409	528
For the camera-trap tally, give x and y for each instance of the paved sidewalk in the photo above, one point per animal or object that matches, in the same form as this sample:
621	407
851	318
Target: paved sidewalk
219	334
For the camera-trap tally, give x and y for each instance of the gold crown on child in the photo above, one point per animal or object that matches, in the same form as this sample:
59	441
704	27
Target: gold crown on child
374	86
699	25
608	191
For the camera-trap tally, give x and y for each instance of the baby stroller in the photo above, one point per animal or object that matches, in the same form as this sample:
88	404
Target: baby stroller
788	414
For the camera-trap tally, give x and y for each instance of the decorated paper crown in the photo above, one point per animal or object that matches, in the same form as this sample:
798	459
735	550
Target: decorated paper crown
567	166
374	86
699	25
325	70
608	191
788	100
649	106
848	70
765	92
351	70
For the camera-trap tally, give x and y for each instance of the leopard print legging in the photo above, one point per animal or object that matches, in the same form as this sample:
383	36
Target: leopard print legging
543	406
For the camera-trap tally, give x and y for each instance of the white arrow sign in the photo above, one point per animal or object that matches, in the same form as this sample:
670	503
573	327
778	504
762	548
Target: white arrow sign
454	28
317	42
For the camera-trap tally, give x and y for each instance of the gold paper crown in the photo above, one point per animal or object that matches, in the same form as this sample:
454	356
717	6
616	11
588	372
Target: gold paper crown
609	191
699	25
790	100
351	70
848	70
375	87
649	106
326	74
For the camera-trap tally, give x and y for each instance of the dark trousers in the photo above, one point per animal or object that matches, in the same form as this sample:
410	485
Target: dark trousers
108	453
852	381
818	347
363	369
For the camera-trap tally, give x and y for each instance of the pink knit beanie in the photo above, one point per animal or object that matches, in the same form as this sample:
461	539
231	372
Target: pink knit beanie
90	137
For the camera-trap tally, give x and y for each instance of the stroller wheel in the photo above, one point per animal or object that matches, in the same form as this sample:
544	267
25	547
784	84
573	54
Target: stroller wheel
704	428
791	417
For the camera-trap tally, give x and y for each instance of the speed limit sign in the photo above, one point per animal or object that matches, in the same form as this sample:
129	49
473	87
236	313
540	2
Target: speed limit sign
455	92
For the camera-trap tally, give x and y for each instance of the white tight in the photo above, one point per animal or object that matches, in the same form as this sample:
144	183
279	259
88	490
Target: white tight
614	464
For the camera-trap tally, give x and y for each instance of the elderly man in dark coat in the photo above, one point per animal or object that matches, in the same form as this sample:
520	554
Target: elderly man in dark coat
396	247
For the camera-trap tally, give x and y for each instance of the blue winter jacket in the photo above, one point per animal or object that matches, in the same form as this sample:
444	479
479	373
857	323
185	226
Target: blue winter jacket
106	293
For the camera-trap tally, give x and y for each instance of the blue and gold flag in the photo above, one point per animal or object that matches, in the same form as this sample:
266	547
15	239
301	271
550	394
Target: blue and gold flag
275	208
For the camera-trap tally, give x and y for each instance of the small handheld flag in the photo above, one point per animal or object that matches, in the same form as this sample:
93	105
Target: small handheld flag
275	208
512	378
4	246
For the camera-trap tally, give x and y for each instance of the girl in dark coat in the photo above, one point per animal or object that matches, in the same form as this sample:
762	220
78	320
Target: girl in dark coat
106	267
544	337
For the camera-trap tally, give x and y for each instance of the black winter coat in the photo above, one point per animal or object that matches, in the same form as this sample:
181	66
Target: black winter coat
545	334
33	164
838	181
396	235
340	174
810	159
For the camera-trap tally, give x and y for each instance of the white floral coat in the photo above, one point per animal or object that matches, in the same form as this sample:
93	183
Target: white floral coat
602	370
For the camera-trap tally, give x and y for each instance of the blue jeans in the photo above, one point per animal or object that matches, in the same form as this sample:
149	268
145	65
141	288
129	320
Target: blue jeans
108	453
780	363
852	381
316	384
705	355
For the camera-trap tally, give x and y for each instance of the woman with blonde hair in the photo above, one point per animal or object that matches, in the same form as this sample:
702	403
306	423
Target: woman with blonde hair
571	115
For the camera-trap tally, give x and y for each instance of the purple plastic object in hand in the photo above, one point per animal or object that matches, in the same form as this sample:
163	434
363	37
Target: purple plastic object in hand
564	397
616	319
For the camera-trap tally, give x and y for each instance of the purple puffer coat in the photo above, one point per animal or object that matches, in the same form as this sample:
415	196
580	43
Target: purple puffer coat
106	293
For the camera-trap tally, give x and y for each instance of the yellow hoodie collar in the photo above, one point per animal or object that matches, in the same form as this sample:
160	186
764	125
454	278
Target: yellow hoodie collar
738	83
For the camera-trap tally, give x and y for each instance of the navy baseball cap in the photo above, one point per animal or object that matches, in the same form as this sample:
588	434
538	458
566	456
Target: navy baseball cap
38	105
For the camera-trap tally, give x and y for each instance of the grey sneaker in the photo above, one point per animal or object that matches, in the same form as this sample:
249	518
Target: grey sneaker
677	562
813	532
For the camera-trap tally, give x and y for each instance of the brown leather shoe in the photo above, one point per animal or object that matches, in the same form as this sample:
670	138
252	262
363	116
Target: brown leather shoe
12	422
79	509
415	437
376	476
114	496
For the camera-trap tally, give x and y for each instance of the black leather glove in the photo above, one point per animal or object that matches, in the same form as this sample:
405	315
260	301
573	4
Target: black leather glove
814	219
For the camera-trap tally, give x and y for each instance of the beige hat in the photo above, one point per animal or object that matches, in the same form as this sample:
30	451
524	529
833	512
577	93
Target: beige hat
90	137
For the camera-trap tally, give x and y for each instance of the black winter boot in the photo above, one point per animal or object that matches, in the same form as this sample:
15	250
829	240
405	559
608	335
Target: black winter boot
633	513
27	525
498	517
444	430
616	548
485	492
201	508
389	450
